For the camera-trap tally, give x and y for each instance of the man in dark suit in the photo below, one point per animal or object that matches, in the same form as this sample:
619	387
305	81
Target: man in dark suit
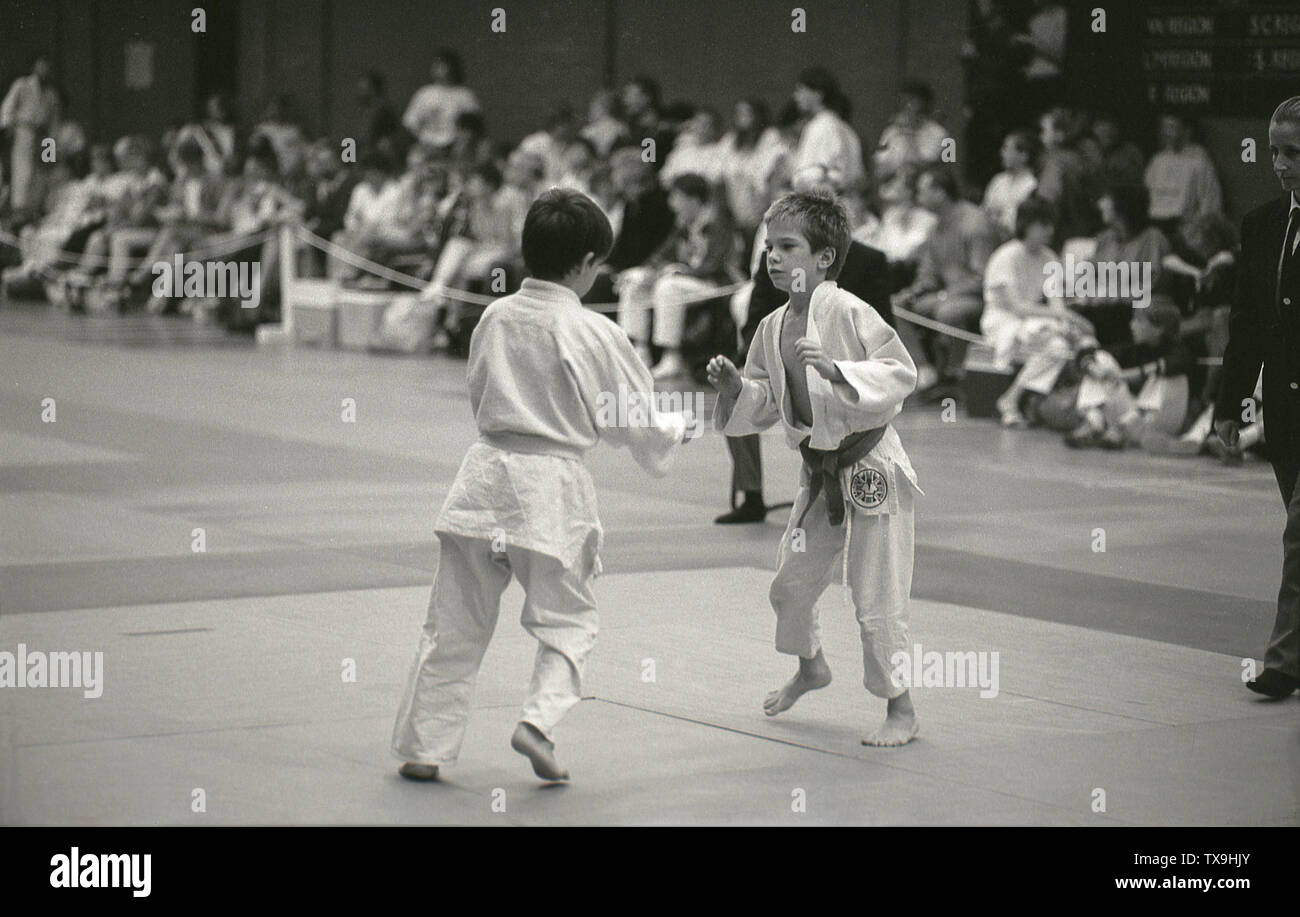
866	276
647	220
1264	330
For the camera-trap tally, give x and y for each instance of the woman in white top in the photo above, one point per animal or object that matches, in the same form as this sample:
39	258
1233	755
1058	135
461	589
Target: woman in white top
432	112
752	150
827	140
1019	320
1012	186
904	225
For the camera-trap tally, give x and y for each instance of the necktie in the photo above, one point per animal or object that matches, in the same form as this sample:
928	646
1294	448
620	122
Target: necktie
1288	248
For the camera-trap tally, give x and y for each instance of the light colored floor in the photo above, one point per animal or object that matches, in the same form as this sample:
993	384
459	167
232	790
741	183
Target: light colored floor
1119	671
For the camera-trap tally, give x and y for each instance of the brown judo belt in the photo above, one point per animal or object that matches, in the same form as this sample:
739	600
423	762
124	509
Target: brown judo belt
824	466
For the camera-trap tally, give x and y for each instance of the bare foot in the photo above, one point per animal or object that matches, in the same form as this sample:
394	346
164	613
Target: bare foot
412	771
900	725
530	743
813	673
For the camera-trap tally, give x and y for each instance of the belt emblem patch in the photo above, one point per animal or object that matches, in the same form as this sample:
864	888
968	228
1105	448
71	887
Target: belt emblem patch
868	489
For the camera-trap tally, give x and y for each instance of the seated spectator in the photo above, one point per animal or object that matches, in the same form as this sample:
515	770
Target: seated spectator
403	220
189	215
903	227
950	280
642	219
254	204
1064	178
281	129
486	235
750	153
643	119
1114	160
552	144
330	188
1154	368
132	195
699	150
912	137
604	129
699	255
432	112
826	141
1127	237
1212	245
75	209
470	147
370	204
215	134
1025	327
1180	177
583	171
1012	186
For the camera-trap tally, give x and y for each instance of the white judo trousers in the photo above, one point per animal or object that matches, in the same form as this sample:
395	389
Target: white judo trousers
870	554
559	612
541	371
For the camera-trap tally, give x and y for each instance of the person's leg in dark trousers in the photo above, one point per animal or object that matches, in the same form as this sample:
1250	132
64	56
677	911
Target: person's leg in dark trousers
746	478
1281	673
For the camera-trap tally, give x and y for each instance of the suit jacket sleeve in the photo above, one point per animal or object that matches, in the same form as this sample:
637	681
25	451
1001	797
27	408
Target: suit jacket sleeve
765	300
870	279
1245	352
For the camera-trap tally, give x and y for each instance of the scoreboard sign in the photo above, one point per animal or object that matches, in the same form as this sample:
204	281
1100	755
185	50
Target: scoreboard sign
1225	58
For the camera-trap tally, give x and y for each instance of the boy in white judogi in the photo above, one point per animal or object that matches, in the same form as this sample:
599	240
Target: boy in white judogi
523	504
830	369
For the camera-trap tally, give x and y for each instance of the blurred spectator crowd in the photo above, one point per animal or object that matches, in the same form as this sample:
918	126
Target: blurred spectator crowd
428	192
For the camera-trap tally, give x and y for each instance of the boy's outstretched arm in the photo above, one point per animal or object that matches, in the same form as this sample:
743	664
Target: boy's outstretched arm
622	402
746	403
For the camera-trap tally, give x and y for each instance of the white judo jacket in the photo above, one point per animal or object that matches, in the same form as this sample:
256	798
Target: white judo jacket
543	372
878	371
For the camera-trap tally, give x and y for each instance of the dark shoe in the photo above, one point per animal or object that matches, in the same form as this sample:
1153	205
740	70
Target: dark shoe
752	510
1274	684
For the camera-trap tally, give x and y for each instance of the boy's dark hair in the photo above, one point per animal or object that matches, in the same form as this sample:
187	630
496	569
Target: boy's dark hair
1132	204
693	185
822	220
562	226
943	177
1034	209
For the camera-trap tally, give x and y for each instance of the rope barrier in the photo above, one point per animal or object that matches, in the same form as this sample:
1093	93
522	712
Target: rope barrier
348	256
201	253
360	262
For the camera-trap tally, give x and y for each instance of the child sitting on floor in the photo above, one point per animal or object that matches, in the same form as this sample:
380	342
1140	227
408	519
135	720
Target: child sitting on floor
1156	363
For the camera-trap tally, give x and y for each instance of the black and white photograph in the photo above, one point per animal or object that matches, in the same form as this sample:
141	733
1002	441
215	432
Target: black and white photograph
650	413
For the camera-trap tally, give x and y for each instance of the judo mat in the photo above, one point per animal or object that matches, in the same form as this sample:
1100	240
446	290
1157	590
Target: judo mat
256	681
